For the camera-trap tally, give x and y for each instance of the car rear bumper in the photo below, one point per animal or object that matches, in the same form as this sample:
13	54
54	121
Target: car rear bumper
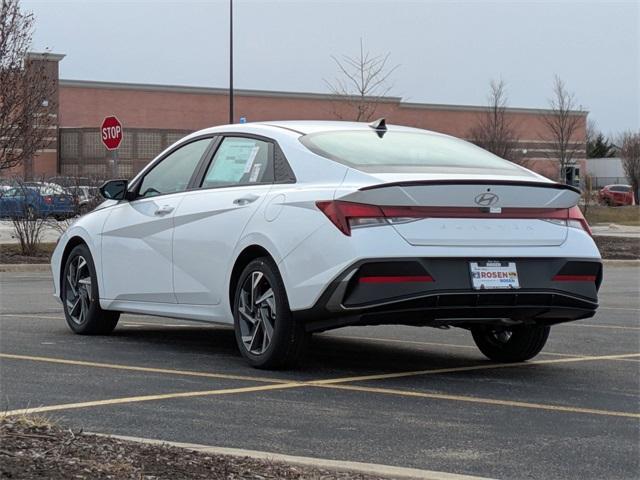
439	292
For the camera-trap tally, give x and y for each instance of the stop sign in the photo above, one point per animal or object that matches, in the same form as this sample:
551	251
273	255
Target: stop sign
111	132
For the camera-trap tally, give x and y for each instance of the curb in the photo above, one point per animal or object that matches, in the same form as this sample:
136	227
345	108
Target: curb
373	469
622	263
25	267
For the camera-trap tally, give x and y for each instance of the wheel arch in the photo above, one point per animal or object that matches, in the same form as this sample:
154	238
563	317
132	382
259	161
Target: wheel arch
72	243
247	255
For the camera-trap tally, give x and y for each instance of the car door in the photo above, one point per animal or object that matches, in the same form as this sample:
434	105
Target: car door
210	221
137	235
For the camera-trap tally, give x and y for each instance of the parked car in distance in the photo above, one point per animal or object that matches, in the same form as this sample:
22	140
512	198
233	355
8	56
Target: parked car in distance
283	229
37	200
616	195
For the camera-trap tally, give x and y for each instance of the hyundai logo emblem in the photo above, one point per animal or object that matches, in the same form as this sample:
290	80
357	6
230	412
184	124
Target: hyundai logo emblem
486	199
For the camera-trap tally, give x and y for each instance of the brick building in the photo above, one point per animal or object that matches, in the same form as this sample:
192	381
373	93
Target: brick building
154	116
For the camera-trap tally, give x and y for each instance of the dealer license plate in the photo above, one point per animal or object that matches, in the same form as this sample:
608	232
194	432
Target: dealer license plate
494	274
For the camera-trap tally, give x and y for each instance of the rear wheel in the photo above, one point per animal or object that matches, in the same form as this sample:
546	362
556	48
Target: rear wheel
79	294
266	333
513	344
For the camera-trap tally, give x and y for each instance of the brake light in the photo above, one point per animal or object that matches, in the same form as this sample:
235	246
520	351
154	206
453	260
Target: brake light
576	220
396	279
574	278
48	199
348	215
342	214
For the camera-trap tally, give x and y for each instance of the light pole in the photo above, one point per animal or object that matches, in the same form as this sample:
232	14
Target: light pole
230	61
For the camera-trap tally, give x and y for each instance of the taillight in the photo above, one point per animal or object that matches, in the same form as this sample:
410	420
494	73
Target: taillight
576	219
48	199
344	215
349	215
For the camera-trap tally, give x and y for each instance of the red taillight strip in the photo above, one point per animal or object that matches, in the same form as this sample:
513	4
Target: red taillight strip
339	212
396	279
474	212
574	278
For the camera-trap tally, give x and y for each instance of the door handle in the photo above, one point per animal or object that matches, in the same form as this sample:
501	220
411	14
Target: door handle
164	210
247	199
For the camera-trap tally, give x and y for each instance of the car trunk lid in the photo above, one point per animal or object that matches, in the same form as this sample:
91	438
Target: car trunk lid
470	212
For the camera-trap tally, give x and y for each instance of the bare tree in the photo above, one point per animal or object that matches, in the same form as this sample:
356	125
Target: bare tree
362	84
26	90
21	207
630	153
494	130
562	124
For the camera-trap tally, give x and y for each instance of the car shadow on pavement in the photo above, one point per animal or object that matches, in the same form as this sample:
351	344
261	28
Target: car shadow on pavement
327	355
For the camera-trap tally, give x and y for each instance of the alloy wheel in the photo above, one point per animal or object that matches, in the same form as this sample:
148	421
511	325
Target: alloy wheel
257	313
78	292
501	337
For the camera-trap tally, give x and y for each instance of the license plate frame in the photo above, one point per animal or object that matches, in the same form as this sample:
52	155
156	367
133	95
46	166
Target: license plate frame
494	275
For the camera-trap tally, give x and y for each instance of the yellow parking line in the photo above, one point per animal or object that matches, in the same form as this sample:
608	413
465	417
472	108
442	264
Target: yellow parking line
336	383
26	315
485	401
630	309
168	371
147	398
384	376
620	327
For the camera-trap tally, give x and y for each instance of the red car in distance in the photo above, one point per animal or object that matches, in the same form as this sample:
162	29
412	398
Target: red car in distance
616	195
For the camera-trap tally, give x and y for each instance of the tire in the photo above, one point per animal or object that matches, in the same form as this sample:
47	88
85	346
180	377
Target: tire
80	298
507	345
266	333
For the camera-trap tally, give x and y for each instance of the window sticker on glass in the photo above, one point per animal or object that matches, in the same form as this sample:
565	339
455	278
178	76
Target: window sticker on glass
252	157
232	159
255	173
239	161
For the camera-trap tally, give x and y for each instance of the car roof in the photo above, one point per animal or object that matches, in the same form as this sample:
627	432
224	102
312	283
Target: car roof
311	126
304	127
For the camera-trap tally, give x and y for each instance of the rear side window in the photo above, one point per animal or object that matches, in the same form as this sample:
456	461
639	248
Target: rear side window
407	152
240	161
620	188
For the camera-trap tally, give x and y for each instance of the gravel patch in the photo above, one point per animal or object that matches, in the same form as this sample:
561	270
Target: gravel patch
34	448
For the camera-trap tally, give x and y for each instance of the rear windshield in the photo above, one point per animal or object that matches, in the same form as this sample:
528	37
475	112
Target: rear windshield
620	188
402	152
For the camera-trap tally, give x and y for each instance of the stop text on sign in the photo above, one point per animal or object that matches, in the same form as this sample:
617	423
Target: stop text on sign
111	132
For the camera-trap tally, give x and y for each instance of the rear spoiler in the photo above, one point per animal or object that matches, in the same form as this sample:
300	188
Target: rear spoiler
554	185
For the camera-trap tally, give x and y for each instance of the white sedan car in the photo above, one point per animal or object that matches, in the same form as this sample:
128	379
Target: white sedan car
283	229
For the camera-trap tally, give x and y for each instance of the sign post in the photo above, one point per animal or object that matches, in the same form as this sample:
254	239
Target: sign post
111	133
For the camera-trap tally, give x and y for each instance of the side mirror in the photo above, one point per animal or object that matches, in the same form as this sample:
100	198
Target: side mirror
114	189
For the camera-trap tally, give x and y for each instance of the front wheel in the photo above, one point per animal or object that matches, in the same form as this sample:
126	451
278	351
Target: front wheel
266	333
512	344
79	294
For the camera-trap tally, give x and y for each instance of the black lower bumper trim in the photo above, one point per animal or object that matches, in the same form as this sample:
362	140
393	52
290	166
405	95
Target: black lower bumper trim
545	304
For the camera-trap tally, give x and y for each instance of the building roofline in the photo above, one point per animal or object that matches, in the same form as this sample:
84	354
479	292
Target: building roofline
483	108
209	90
286	94
45	56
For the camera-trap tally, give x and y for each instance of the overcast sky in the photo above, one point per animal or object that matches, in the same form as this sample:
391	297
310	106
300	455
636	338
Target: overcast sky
447	50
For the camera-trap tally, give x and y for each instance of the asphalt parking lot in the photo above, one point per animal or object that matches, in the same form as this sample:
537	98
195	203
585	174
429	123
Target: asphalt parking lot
411	397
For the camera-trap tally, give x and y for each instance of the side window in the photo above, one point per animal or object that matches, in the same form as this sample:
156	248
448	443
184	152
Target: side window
173	173
240	161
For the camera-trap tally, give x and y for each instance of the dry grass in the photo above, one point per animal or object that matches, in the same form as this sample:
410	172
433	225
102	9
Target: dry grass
32	420
618	215
11	253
